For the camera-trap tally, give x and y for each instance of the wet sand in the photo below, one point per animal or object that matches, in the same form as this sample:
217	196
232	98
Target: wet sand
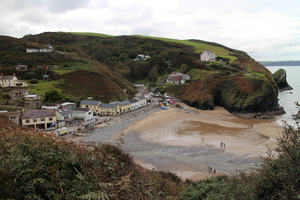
184	141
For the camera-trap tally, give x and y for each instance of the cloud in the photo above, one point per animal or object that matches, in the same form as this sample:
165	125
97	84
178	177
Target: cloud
265	29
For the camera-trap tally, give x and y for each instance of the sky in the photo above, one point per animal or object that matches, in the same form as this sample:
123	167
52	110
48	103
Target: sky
268	30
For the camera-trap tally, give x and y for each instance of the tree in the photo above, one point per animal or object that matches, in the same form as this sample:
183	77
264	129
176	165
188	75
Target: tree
53	96
7	97
153	74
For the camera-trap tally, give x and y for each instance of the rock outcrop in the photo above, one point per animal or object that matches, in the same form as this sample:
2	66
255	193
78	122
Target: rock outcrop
280	79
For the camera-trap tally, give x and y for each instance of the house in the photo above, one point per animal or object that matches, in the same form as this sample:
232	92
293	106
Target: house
134	104
21	67
11	81
42	67
13	116
36	50
32	97
148	95
93	105
108	109
177	77
14	94
207	56
142	100
68	115
142	57
68	105
83	113
38	119
123	106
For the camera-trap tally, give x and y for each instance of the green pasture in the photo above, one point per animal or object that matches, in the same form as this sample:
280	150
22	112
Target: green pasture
199	47
91	34
63	71
43	86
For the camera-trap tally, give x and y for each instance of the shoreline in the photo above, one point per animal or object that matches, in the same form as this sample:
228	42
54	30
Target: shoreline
167	140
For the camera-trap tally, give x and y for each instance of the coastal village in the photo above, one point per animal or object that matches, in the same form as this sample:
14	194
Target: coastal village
89	114
56	119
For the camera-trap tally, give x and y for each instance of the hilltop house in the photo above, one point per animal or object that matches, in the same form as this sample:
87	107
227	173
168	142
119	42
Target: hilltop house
207	56
21	67
177	77
38	119
142	57
11	81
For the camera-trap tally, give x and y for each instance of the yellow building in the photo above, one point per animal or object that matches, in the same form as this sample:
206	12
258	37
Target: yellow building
39	119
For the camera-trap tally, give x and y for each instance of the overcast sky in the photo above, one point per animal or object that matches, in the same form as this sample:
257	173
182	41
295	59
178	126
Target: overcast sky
265	29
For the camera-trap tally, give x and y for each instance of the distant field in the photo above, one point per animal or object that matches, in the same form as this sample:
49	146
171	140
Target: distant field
43	87
61	72
92	34
199	47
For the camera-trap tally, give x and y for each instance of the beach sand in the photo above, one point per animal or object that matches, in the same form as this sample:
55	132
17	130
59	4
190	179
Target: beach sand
246	140
186	140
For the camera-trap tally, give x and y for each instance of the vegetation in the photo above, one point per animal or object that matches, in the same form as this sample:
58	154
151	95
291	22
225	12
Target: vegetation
38	166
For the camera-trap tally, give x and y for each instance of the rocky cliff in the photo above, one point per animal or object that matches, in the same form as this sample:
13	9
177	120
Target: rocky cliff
280	79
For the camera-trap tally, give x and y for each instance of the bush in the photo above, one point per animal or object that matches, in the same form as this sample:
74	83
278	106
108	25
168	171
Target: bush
34	81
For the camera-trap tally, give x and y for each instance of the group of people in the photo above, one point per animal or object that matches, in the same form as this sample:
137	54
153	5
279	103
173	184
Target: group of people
222	144
210	169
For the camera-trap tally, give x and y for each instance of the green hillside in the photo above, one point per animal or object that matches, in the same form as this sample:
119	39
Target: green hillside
112	58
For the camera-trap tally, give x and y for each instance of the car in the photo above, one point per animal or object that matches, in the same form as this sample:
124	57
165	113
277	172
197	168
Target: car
50	128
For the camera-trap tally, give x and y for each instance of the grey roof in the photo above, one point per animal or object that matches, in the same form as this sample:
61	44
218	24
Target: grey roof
67	103
6	77
65	112
120	103
133	100
107	105
141	97
89	102
81	109
38	114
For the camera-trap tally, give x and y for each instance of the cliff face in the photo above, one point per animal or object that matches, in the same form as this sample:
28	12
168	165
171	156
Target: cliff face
238	93
280	79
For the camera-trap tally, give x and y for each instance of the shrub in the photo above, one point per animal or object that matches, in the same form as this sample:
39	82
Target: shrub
34	81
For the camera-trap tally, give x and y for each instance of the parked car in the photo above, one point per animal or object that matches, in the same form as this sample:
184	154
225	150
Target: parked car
50	128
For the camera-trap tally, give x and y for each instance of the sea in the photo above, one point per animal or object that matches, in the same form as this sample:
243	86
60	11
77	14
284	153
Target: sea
288	98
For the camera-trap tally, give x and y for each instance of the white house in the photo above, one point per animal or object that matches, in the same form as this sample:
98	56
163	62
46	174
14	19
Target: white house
11	81
177	77
207	56
142	100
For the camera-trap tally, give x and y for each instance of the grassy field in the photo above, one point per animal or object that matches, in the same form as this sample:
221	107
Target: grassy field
199	47
63	71
44	86
91	34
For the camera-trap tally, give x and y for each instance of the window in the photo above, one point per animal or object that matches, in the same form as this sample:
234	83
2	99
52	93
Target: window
34	120
27	120
12	117
50	118
42	119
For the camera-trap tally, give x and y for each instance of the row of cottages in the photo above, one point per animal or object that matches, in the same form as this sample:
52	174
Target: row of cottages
207	56
178	78
11	81
114	108
36	50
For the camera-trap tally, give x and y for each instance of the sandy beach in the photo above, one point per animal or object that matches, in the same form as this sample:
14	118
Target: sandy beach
186	140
